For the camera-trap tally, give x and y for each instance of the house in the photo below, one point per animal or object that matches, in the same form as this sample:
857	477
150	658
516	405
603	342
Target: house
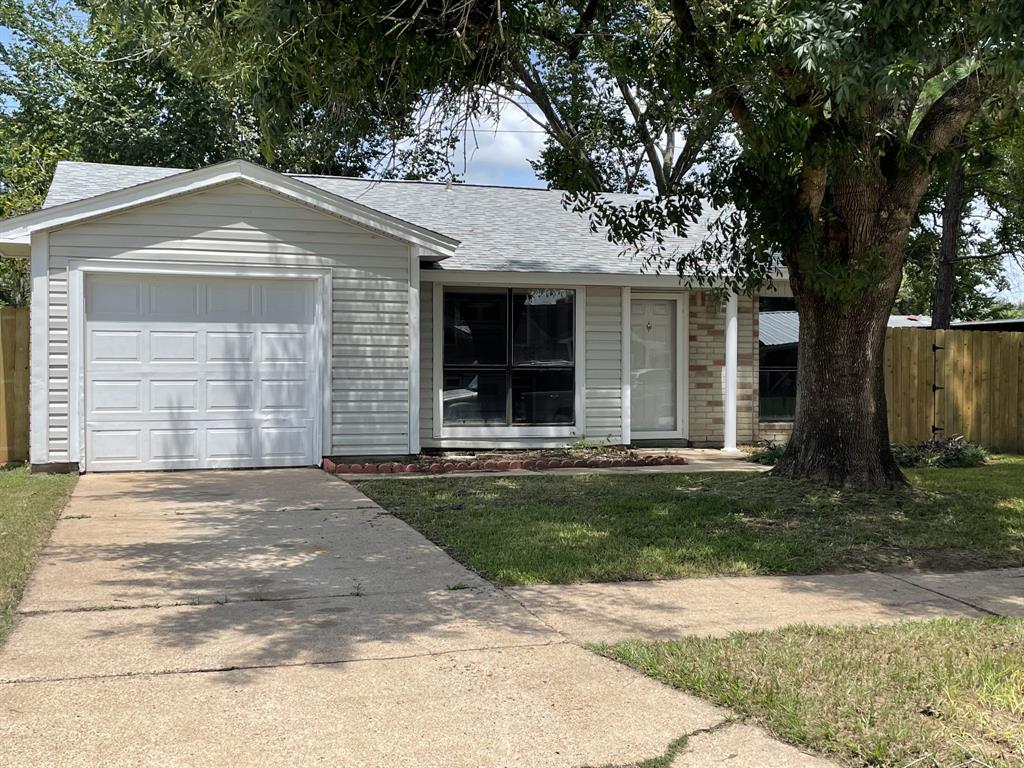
233	316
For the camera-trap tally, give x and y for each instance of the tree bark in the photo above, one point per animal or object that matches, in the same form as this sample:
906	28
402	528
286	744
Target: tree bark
841	434
952	222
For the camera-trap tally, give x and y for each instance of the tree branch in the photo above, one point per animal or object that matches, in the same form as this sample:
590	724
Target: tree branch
736	104
650	147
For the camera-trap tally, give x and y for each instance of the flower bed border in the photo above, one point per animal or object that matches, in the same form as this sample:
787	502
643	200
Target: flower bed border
496	465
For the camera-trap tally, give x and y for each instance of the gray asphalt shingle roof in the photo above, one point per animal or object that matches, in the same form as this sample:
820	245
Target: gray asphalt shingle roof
500	228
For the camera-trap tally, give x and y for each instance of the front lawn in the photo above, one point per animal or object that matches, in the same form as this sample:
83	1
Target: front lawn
943	691
562	528
29	506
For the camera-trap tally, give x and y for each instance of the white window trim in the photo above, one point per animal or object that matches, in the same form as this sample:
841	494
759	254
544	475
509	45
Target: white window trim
577	430
682	300
78	269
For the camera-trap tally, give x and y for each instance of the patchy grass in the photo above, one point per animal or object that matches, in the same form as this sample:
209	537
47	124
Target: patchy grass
29	506
944	691
576	528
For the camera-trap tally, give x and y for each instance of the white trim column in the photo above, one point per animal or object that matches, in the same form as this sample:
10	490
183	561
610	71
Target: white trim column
731	351
414	351
627	337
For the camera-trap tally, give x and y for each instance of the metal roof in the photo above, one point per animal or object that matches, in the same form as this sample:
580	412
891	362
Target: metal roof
780	328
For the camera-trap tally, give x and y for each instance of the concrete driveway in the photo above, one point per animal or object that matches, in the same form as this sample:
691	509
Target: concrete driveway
280	618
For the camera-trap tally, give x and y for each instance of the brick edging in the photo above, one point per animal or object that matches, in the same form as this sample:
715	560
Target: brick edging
497	465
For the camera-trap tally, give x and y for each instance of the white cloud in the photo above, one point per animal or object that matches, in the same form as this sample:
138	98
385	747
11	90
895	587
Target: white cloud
497	152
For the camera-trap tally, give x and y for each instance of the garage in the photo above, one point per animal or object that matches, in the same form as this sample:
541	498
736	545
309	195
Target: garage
186	372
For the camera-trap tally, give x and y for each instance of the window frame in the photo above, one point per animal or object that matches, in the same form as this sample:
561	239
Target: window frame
763	369
443	431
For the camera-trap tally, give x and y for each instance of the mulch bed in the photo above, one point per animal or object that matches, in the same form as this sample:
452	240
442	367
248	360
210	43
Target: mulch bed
439	465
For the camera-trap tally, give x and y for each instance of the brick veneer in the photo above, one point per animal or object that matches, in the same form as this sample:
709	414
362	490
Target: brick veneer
707	370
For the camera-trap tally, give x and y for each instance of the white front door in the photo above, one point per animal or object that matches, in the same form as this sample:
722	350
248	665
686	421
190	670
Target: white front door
655	375
190	372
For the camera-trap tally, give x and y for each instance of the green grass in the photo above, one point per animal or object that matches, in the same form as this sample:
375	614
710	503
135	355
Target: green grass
948	689
563	529
29	506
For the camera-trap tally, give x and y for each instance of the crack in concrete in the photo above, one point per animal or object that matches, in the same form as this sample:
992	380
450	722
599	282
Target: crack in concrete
280	665
481	589
955	599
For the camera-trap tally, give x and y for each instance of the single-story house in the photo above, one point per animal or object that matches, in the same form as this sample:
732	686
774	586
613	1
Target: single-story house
233	316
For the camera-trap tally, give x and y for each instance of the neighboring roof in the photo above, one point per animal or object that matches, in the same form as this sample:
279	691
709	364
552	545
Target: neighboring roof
776	329
63	210
499	228
1005	325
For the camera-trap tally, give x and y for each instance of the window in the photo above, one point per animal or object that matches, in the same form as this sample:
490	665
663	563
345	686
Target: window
509	357
777	383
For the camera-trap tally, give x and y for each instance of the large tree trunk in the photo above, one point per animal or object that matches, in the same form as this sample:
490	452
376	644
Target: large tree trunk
952	221
841	433
841	436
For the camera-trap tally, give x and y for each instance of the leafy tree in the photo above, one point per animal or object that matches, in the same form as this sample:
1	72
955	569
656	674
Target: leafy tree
969	226
75	88
840	109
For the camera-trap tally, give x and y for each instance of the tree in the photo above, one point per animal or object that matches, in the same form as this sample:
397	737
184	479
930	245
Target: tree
76	88
968	228
840	111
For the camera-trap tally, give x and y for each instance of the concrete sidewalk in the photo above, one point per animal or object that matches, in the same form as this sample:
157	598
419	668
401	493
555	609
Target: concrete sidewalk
281	618
717	606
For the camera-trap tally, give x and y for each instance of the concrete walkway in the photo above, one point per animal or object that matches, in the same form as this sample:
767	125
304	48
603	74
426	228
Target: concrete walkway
280	618
717	606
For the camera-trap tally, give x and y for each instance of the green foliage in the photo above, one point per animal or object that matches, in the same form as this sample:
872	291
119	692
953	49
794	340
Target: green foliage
941	452
767	452
75	86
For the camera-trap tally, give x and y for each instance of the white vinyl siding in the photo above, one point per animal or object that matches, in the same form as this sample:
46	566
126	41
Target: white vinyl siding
604	364
237	223
58	400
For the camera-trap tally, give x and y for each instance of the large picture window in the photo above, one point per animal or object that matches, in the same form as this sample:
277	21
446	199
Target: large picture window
509	357
777	383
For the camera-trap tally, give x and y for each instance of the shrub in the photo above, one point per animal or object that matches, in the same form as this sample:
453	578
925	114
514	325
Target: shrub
954	451
766	452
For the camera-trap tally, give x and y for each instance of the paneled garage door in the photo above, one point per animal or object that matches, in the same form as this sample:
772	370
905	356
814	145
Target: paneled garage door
193	372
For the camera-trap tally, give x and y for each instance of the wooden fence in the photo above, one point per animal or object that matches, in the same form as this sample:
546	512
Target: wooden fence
945	383
13	384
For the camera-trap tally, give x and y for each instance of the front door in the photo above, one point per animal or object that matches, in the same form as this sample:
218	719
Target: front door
654	376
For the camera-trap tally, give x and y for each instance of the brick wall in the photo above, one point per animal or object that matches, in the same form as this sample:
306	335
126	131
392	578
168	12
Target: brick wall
707	370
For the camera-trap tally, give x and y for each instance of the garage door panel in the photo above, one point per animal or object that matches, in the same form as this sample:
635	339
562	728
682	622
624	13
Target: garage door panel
175	397
231	302
115	396
115	346
174	299
174	444
232	395
111	446
231	443
282	347
229	347
282	442
173	346
200	372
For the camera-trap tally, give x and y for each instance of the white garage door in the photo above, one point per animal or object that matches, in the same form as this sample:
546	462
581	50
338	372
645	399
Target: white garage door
193	372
